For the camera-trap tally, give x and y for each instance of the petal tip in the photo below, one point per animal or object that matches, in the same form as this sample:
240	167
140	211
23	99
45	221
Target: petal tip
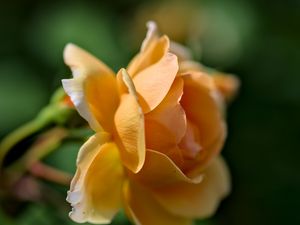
69	48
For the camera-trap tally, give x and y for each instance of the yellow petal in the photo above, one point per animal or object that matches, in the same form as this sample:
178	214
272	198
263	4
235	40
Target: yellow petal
160	170
153	83
96	188
152	51
129	122
84	66
143	209
197	200
169	112
203	107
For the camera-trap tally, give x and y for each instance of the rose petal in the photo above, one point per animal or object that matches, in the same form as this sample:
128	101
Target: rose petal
87	96
101	93
95	192
228	85
129	121
197	200
143	209
189	65
83	63
150	54
190	143
153	83
160	170
203	108
169	112
180	51
75	89
159	137
151	36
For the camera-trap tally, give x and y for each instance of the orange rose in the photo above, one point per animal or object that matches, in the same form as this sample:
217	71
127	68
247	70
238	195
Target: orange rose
159	131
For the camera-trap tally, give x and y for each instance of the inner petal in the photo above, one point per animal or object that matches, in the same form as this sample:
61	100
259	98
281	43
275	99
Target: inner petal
190	143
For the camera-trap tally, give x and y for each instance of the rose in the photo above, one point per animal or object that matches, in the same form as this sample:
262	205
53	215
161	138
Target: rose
159	129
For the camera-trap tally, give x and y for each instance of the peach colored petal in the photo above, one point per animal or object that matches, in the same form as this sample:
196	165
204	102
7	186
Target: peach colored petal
197	200
125	83
129	122
160	170
169	112
197	167
154	82
143	209
228	85
180	51
95	192
84	65
150	54
151	36
189	65
122	87
161	139
101	93
203	108
190	143
75	89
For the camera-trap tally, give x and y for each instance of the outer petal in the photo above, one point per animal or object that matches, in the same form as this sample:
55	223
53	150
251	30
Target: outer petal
160	170
83	63
143	209
129	122
95	192
92	81
228	85
101	93
197	200
154	82
75	89
203	108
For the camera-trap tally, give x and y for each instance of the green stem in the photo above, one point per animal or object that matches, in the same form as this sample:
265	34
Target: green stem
16	136
52	113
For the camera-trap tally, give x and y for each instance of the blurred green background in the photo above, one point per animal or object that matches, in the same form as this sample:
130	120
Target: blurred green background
257	40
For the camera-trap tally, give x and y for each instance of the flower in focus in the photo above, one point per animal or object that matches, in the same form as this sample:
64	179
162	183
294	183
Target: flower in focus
159	129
